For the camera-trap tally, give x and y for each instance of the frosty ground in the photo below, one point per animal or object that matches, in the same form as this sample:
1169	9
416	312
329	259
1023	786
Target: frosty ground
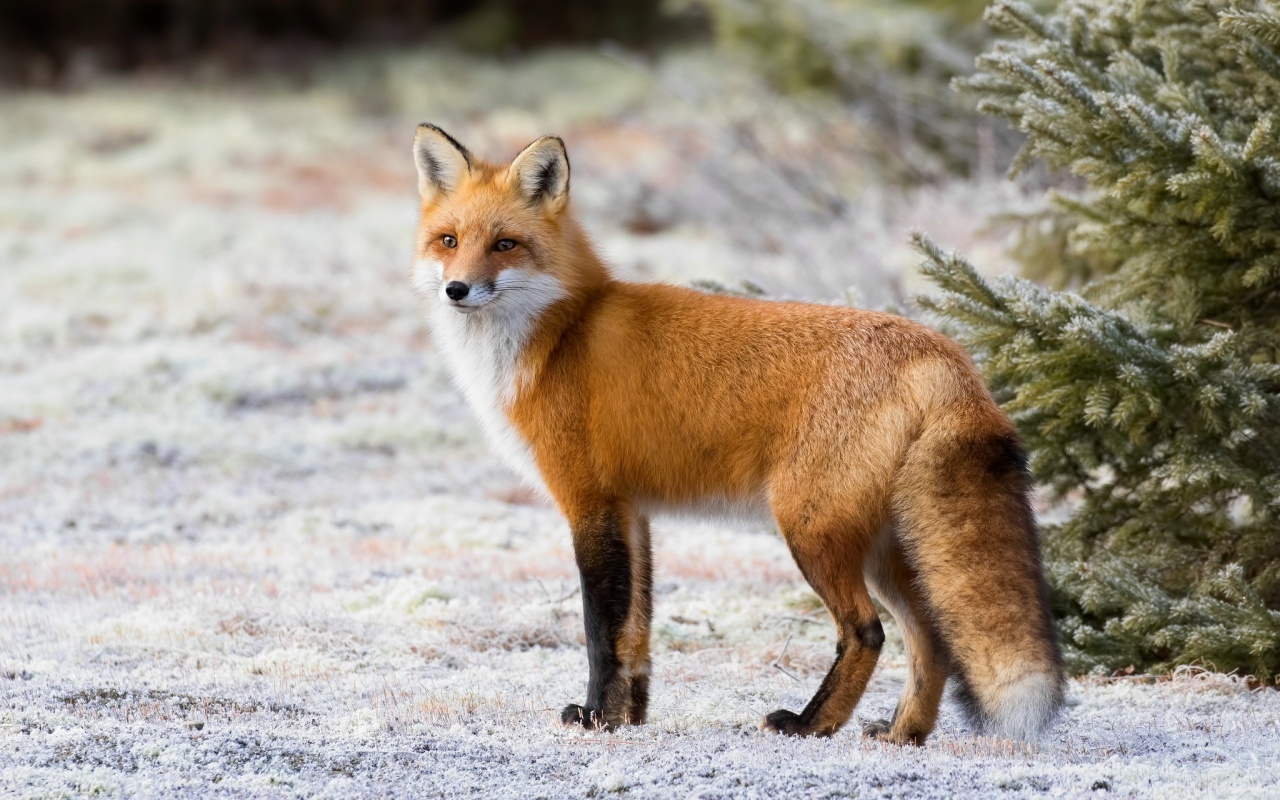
255	546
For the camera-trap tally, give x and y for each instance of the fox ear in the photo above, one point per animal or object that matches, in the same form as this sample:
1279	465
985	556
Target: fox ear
441	161
541	172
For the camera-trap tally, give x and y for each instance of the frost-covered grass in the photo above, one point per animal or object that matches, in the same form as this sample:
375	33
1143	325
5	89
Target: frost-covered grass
254	545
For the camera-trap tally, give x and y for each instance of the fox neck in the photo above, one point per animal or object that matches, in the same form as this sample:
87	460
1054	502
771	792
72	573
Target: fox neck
498	352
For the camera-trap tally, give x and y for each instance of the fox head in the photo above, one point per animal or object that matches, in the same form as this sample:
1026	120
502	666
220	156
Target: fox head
496	239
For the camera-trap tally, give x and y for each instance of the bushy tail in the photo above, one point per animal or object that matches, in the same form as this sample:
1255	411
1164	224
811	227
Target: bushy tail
965	521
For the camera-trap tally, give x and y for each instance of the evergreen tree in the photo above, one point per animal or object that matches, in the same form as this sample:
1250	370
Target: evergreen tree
1150	399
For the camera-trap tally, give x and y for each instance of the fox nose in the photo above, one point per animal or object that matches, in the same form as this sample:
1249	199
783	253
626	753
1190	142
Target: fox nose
456	290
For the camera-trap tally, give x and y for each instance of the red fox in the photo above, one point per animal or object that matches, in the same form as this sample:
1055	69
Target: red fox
870	440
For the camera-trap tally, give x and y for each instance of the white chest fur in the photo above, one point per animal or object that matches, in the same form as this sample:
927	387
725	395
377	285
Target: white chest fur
483	349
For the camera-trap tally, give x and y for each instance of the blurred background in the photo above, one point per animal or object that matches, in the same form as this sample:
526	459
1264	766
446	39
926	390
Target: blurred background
785	142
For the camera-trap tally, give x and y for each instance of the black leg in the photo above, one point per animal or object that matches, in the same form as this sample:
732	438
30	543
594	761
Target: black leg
833	566
603	552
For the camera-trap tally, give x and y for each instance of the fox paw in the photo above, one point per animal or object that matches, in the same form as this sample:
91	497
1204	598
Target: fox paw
876	730
589	718
882	731
785	722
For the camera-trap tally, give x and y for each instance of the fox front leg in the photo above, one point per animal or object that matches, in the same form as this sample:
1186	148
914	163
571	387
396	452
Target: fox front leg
612	549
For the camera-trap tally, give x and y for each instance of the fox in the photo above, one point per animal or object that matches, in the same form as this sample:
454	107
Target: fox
869	440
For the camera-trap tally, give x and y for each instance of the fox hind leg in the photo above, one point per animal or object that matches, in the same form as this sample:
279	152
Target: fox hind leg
832	563
892	581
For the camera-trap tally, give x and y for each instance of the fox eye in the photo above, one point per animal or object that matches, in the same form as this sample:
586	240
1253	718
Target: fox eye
449	241
503	245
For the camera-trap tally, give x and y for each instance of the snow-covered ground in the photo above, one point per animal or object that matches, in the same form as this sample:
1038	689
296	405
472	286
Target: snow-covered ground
254	545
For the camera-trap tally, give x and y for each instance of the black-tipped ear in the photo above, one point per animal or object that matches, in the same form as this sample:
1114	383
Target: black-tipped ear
541	172
441	161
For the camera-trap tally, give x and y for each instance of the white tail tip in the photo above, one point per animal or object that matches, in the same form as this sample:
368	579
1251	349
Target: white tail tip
1024	708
